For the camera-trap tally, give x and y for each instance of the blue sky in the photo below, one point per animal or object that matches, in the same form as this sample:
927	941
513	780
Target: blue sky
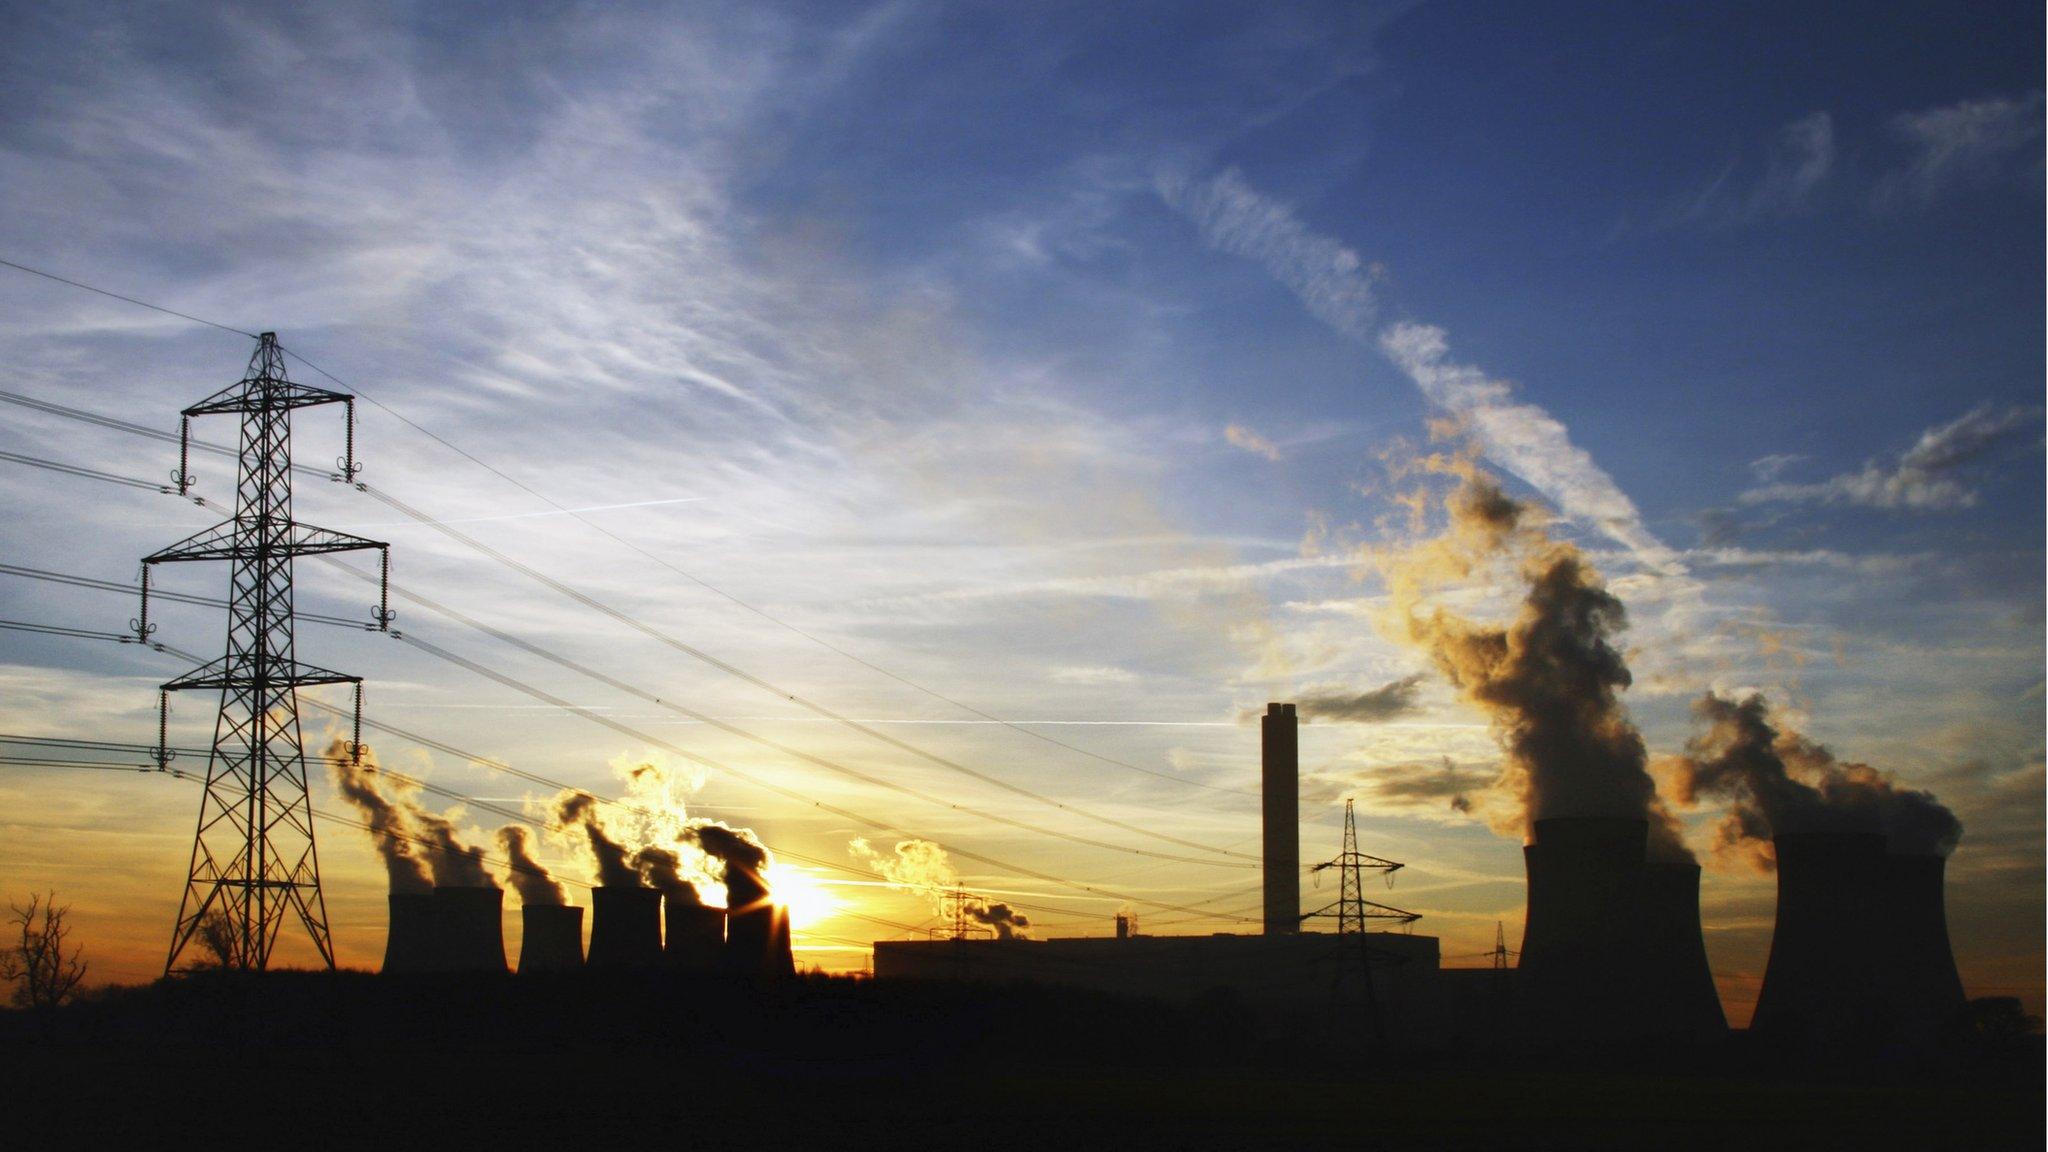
1048	356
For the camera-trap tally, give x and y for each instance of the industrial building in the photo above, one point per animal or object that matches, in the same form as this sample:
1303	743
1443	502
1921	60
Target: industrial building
1283	969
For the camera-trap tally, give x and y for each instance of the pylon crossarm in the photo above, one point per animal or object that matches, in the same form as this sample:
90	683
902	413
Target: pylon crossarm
230	671
1384	912
272	393
229	540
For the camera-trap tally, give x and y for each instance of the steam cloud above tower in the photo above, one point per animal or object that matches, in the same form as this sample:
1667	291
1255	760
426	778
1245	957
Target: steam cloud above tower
923	867
357	780
1777	780
1551	677
529	877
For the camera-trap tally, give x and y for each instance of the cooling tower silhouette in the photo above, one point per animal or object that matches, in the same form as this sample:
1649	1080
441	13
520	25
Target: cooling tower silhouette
757	941
625	927
552	939
469	929
1922	984
1824	979
1677	988
696	936
1580	968
1861	954
410	946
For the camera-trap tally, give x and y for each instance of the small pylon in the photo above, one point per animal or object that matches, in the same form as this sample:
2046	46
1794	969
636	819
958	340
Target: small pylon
1353	912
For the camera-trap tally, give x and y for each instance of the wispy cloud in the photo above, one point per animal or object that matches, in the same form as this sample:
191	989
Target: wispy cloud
1251	441
1769	468
1801	159
1967	144
1960	145
1929	476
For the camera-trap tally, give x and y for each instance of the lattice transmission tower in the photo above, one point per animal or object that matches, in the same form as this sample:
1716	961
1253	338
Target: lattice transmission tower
1354	913
254	862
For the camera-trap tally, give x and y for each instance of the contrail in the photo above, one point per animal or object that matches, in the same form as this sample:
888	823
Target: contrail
548	512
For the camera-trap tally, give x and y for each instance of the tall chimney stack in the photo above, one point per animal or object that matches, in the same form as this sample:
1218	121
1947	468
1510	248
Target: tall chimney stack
1280	769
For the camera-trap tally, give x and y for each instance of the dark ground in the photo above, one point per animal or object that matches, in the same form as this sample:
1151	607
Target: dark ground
354	1060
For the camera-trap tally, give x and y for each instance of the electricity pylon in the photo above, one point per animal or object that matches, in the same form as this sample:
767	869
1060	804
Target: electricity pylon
254	860
1353	912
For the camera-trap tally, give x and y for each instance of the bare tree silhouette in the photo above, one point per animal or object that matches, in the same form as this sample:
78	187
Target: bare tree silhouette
216	940
42	969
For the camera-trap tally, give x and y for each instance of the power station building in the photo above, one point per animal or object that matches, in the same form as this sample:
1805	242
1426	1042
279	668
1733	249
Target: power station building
1282	969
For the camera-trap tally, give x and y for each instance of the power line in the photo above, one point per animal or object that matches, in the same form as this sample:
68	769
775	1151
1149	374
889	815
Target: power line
122	425
882	826
74	633
736	672
96	584
750	607
745	734
1197	912
125	299
86	473
632	622
672	567
338	818
735	730
787	793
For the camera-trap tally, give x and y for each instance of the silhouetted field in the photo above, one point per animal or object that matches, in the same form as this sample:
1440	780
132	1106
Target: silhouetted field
821	1063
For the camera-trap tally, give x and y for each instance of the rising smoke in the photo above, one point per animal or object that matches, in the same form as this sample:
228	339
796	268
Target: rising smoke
923	867
1779	781
662	869
1551	678
745	861
650	840
529	877
579	810
455	864
358	784
1389	701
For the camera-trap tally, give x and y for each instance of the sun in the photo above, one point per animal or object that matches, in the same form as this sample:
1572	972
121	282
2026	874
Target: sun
800	895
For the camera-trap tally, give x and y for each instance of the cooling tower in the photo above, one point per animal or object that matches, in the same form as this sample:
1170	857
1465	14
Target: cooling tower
1280	805
410	946
696	935
1581	965
469	929
1677	988
553	939
757	941
625	927
1921	983
1829	951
